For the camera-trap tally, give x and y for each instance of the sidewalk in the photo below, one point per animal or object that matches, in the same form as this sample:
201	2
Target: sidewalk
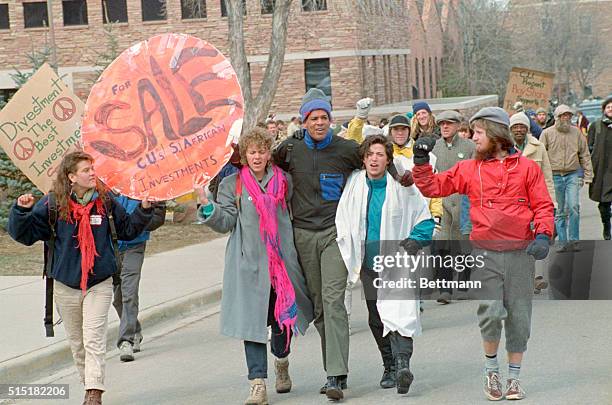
173	283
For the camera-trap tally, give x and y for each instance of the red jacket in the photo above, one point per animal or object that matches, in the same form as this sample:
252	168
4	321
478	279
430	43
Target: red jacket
506	197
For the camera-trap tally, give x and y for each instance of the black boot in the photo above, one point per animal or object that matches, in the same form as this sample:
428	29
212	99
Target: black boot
606	230
403	375
388	377
341	380
334	390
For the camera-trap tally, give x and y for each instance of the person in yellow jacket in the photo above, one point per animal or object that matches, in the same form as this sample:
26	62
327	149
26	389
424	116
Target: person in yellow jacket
402	145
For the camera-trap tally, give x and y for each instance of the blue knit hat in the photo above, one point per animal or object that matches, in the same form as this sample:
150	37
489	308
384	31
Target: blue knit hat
420	105
314	99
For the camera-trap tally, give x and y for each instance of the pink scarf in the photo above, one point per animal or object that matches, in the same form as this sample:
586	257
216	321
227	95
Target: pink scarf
266	204
86	243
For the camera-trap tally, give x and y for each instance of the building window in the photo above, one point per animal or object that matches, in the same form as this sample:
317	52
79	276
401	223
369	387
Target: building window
416	77
317	75
314	5
423	75
4	17
193	9
153	10
114	11
224	8
35	14
75	12
431	79
267	6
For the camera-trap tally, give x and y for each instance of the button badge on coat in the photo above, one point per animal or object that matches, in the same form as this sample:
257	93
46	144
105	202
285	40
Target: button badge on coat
461	155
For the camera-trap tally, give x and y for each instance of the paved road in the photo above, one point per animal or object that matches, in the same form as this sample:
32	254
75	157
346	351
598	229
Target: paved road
568	362
186	361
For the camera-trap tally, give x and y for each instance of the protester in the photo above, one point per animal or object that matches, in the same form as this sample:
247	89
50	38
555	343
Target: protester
600	145
423	122
449	150
399	134
281	127
364	215
582	123
534	128
83	259
125	292
541	117
533	149
568	151
294	125
465	131
262	281
510	205
320	163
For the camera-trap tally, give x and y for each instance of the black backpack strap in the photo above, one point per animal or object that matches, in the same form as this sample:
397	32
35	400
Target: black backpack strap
49	249
288	154
108	206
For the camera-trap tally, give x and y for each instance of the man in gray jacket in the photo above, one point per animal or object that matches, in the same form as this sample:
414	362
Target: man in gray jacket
450	149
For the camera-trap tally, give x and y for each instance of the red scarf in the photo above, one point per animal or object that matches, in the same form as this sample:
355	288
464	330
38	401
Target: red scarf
86	243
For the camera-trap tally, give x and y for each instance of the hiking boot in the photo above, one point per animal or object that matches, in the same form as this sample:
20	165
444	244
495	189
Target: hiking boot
514	391
539	285
93	397
403	376
341	379
388	377
444	298
126	351
283	381
258	394
492	386
333	389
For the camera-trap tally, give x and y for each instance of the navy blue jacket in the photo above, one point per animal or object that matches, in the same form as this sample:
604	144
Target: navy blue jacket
28	226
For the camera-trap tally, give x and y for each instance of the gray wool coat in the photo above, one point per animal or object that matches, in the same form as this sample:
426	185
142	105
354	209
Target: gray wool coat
246	281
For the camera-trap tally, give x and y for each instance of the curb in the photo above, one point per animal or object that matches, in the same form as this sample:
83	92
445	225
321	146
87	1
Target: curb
43	362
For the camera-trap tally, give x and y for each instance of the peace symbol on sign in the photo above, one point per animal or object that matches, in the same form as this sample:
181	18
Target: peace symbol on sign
23	149
64	109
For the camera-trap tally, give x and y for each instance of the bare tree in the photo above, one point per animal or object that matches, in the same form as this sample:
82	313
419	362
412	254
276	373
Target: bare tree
482	62
257	106
567	44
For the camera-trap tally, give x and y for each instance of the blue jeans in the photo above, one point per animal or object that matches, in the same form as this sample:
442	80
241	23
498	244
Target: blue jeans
567	189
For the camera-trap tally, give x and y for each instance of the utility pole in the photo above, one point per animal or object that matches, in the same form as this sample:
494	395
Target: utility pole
52	35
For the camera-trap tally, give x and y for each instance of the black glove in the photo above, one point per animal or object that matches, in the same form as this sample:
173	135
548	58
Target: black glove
411	246
538	248
421	149
406	180
299	134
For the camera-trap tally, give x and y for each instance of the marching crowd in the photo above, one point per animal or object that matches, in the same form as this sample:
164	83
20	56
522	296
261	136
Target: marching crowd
309	209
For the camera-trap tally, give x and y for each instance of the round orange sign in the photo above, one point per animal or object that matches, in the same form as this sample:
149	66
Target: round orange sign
161	118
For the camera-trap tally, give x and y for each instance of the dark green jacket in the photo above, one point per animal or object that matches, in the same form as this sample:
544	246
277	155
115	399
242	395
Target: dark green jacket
319	173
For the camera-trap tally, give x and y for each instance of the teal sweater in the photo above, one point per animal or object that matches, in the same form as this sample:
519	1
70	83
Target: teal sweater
377	190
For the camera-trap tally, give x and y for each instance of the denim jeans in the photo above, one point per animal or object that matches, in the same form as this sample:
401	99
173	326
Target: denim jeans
567	220
256	356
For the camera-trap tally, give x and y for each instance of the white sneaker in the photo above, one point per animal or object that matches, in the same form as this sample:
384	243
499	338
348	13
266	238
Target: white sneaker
126	351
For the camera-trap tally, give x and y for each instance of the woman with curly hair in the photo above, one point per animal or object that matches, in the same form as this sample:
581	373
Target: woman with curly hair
262	281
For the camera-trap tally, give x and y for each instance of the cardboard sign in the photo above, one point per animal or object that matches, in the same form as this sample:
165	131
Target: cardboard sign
40	125
161	118
531	87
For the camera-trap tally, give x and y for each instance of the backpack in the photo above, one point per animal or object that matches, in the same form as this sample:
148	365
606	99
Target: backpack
48	255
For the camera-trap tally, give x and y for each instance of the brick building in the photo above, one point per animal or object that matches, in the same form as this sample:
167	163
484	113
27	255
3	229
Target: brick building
590	20
347	48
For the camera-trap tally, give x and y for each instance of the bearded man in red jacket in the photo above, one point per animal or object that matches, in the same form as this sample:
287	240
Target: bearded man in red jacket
513	220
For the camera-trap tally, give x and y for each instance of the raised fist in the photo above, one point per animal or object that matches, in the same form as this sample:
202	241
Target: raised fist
25	201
